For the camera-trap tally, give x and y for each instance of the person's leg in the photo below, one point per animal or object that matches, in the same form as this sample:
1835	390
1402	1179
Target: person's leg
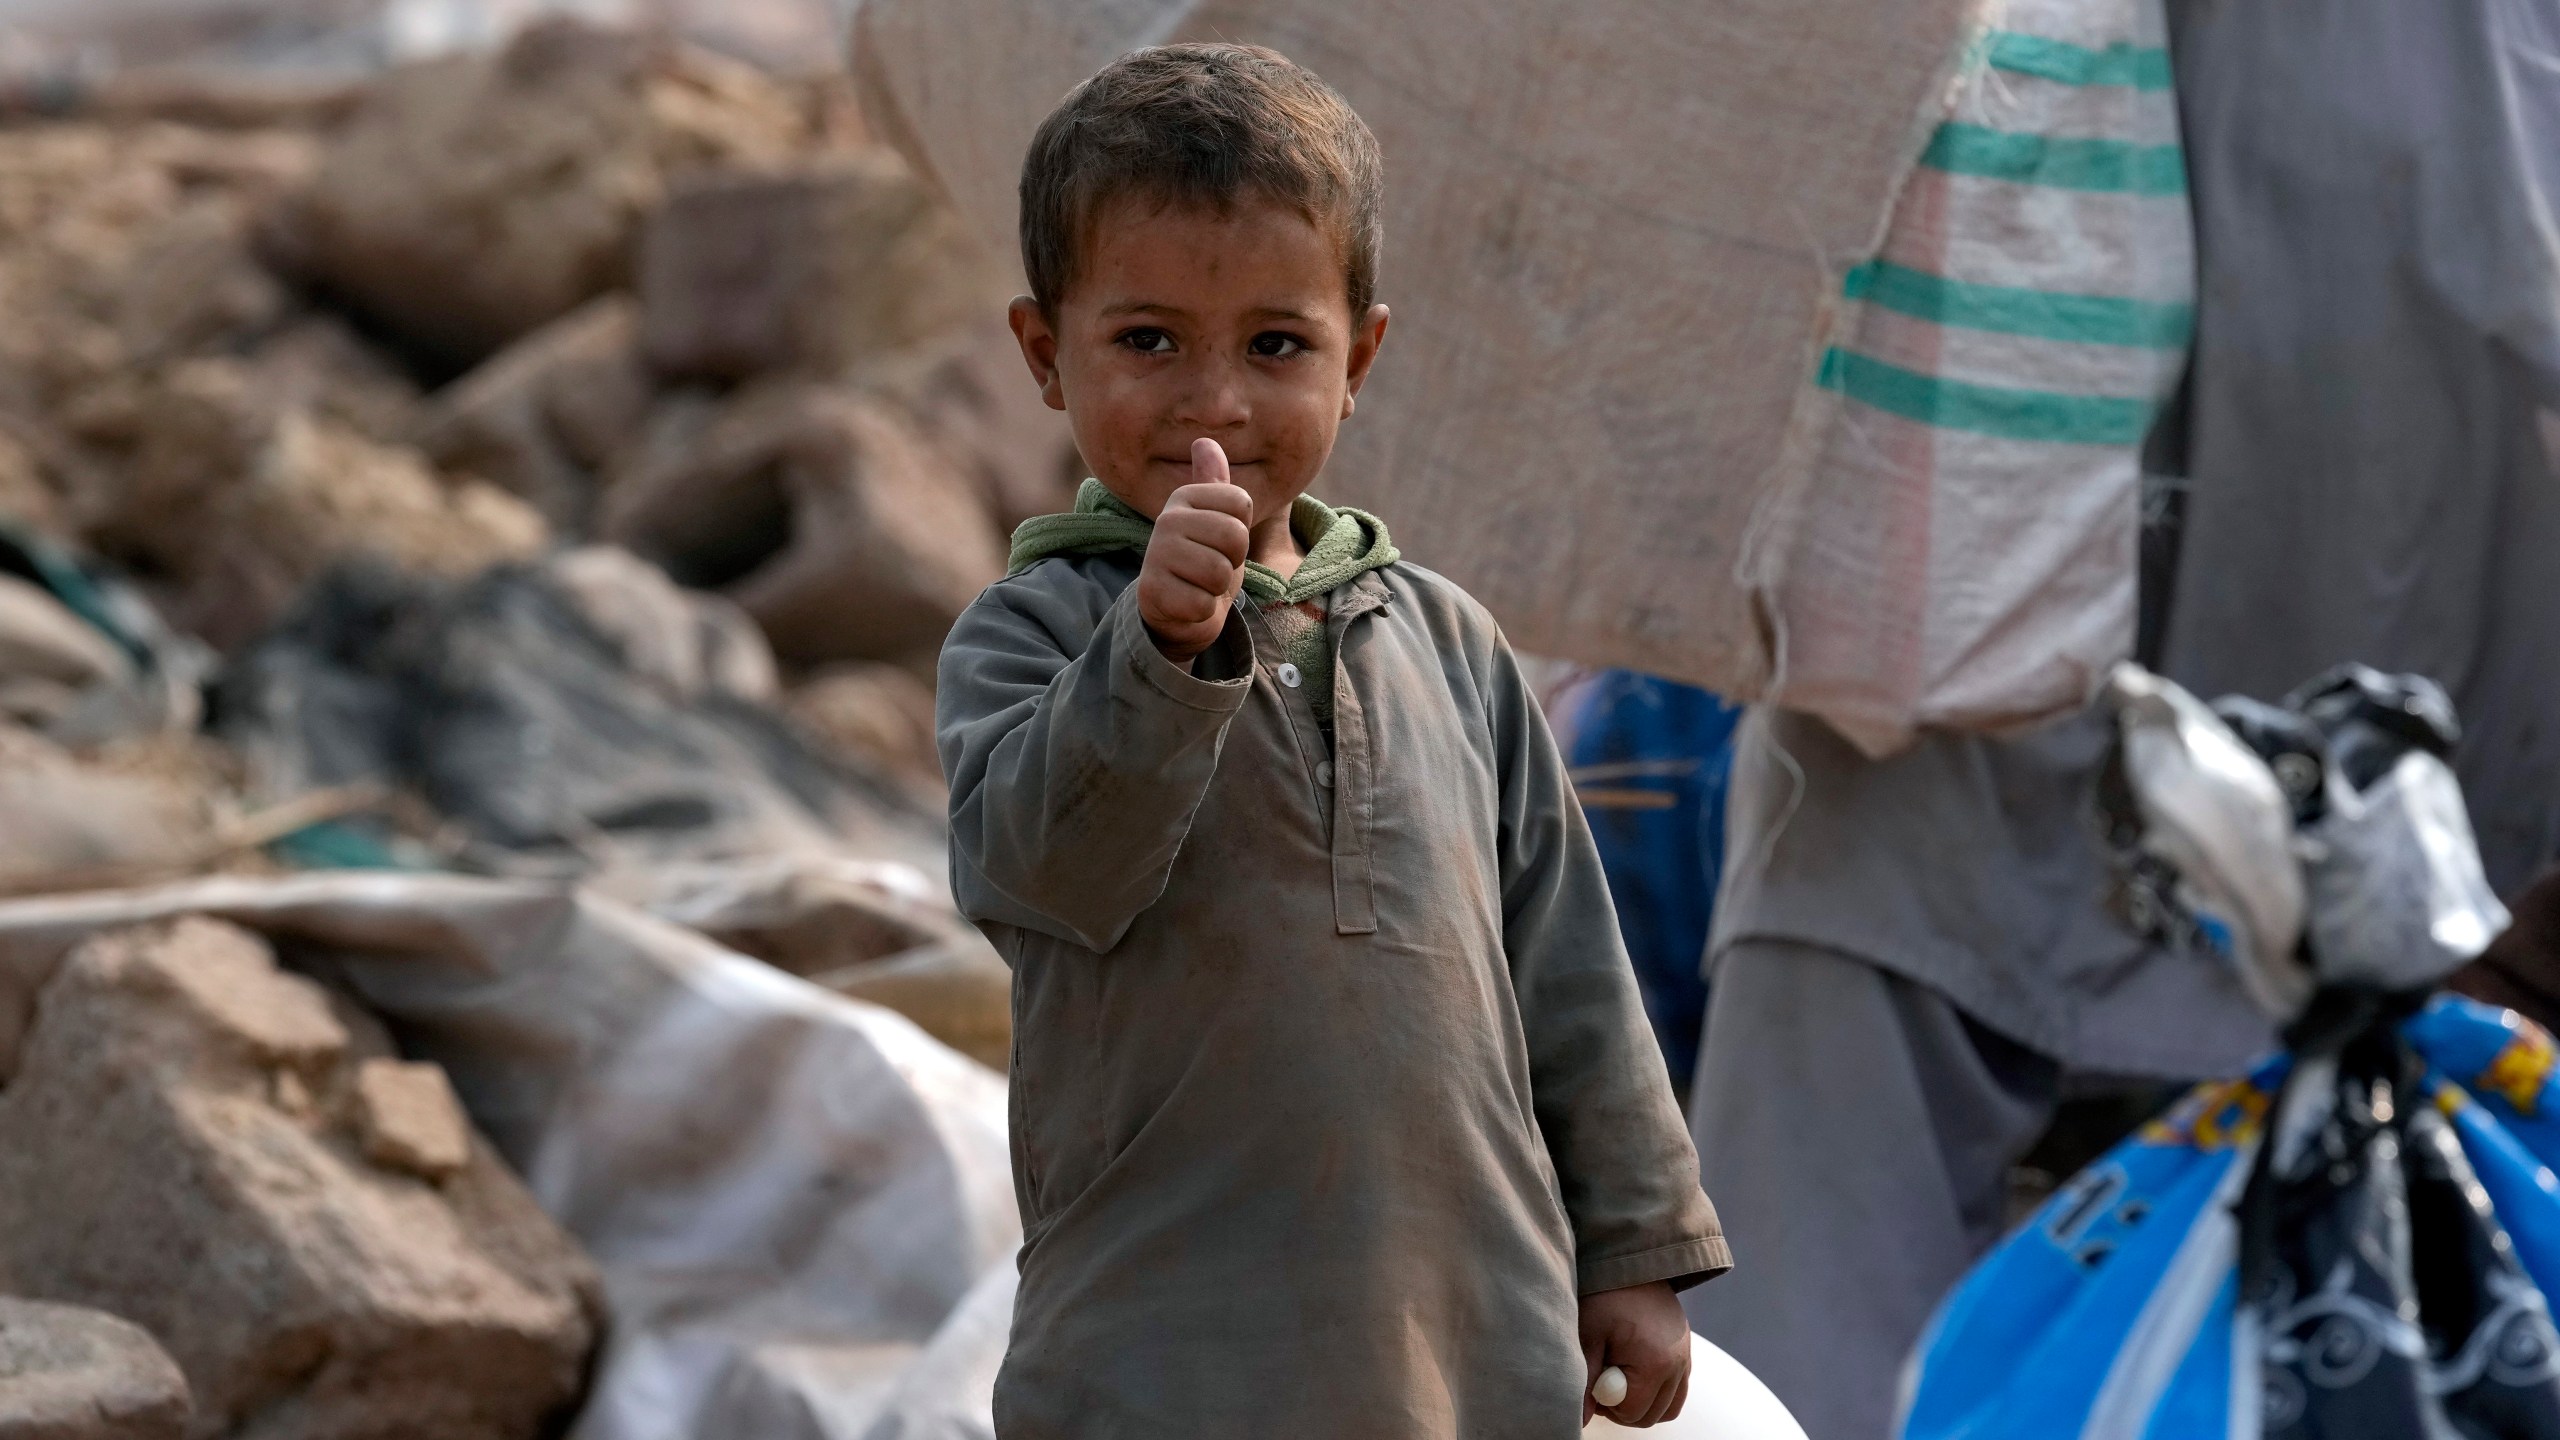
1855	1131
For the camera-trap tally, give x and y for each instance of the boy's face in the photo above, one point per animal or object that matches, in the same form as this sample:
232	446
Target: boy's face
1184	323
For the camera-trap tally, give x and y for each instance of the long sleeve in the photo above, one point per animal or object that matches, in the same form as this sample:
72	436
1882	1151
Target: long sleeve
1074	772
1623	1160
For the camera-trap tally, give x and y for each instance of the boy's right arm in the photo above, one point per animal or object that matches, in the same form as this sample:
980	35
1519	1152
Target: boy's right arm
1074	776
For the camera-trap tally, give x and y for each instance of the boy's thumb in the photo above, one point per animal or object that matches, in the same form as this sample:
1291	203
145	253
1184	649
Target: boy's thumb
1208	463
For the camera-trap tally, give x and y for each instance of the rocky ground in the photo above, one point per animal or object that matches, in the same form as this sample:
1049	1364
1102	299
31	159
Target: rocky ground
560	461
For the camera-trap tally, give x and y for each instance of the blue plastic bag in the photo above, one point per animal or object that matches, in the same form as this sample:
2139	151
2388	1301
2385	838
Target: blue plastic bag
2135	1253
2114	1312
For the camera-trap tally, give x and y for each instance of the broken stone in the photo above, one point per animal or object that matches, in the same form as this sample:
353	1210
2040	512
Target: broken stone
840	528
872	715
544	418
122	247
304	1291
973	396
409	1118
232	499
317	363
960	993
472	199
687	643
823	271
227	980
193	283
855	930
26	499
68	1373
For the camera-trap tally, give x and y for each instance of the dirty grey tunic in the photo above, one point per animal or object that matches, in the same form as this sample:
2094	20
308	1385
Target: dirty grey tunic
1331	1088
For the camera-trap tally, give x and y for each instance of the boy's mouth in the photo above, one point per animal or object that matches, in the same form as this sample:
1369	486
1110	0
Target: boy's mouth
1183	462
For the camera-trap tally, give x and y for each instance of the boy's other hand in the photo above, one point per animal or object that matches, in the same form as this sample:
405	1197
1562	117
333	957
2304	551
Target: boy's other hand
1642	1331
1195	563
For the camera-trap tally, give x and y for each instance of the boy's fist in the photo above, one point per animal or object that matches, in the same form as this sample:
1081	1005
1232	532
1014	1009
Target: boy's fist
1195	563
1641	1331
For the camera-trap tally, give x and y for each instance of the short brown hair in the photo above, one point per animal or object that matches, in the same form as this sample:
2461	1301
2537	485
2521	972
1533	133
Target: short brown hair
1201	125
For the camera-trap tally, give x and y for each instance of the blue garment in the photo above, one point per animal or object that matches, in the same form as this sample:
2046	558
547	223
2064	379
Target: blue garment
1649	759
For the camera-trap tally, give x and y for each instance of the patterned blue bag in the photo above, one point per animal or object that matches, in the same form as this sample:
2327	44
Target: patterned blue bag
2401	1294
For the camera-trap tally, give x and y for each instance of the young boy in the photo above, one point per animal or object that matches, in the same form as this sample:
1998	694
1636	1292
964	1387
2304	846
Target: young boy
1334	1109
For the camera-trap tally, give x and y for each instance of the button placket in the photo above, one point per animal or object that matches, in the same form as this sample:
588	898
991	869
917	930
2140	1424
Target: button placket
1298	716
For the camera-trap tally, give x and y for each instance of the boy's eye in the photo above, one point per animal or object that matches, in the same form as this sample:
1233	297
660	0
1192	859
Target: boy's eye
1147	340
1276	345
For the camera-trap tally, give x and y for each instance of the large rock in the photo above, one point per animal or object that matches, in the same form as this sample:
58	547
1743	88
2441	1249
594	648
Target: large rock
233	498
185	1143
318	363
472	199
688	644
864	931
72	1374
545	418
975	397
876	715
127	246
824	270
842	529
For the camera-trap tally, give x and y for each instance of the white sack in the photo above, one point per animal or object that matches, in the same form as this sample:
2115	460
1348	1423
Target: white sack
1614	235
787	1192
1617	241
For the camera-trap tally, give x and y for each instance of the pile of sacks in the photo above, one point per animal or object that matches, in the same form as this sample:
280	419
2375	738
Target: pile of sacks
533	483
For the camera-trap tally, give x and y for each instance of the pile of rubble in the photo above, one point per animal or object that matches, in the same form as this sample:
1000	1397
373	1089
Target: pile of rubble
538	476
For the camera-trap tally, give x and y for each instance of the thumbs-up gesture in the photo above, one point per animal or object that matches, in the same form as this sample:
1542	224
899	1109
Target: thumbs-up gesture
1195	564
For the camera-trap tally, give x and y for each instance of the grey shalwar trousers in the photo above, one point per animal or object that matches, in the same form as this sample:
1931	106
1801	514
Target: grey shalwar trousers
1857	1132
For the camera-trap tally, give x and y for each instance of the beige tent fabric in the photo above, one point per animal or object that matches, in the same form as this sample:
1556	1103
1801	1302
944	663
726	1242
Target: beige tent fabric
1615	239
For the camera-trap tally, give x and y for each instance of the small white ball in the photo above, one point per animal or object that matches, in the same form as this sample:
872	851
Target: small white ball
1611	1388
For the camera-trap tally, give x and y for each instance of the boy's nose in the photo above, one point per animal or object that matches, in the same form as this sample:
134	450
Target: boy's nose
1214	400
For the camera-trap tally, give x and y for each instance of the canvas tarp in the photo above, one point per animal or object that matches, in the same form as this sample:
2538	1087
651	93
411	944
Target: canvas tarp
1616	235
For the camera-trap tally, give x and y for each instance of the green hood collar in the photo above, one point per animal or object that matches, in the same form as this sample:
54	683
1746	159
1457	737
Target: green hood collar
1341	543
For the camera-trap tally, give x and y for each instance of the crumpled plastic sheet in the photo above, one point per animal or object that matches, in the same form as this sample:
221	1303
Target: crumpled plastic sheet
802	1205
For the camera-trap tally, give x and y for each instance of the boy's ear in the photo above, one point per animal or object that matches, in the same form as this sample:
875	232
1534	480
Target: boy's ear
1366	337
1039	344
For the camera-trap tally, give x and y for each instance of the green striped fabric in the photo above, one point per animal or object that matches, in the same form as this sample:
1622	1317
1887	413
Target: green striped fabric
2112	166
2041	415
2068	165
2141	67
2013	310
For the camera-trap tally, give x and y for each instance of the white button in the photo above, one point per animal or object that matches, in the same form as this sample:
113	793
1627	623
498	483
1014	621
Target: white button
1324	773
1288	674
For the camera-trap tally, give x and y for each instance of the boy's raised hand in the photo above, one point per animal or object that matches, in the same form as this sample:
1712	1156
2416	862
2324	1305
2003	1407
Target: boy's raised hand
1195	563
1642	1332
